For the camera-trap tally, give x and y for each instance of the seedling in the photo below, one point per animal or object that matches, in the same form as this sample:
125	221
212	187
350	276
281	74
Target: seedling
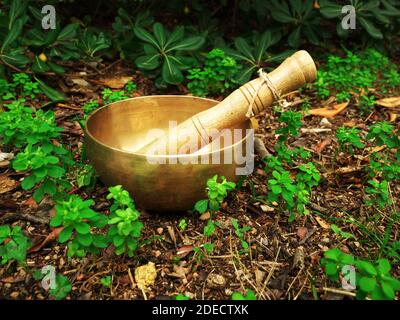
78	221
349	139
379	192
182	224
126	228
292	119
63	287
373	280
240	233
341	233
181	296
106	281
13	244
110	96
130	86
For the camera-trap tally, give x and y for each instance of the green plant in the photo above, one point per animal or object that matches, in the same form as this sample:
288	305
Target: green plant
373	280
27	88
110	96
349	138
203	251
216	192
78	221
182	224
125	230
106	281
341	233
253	53
371	16
355	74
249	295
382	133
367	104
92	42
215	77
13	244
63	287
86	176
167	51
379	193
181	296
293	122
299	18
130	86
308	175
240	233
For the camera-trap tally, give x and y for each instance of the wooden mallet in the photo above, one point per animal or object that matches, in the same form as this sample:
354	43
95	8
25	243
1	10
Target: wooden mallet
243	103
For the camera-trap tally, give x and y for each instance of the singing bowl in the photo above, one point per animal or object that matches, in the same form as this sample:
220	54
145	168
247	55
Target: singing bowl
114	132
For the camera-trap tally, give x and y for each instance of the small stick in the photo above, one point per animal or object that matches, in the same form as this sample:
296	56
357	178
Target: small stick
345	293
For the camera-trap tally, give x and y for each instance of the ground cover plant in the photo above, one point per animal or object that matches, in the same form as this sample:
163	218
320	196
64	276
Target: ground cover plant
317	219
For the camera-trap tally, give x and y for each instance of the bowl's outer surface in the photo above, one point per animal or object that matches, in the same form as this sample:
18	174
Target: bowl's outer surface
115	131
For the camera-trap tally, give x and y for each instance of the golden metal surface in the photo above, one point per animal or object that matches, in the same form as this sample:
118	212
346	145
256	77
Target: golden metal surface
114	132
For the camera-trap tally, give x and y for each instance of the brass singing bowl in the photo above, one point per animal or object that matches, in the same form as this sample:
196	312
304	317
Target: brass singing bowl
115	131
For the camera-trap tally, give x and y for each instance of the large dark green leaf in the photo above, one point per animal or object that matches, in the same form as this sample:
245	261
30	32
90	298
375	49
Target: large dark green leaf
294	38
16	9
160	34
149	62
370	28
242	45
14	33
51	93
15	57
56	68
245	74
68	32
280	12
170	71
176	35
39	66
188	44
142	34
330	10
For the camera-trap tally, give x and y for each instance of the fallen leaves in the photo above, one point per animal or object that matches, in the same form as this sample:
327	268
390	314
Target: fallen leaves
302	232
322	145
53	235
7	184
5	159
329	112
115	83
392	102
322	222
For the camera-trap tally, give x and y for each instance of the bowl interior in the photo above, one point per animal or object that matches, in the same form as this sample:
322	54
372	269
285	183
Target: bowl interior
125	125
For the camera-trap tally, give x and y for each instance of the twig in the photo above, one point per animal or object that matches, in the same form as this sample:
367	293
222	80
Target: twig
8	217
308	235
343	292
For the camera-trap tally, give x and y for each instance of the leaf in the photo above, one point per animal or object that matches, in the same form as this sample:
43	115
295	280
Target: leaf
142	34
149	62
55	171
367	284
373	31
52	94
392	102
331	269
384	266
84	239
176	35
7	184
294	38
56	68
188	44
242	45
28	182
116	82
201	206
170	71
13	34
328	113
68	32
65	234
159	33
366	267
53	235
118	240
82	228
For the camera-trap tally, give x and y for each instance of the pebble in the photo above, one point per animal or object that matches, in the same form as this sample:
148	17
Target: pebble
205	216
160	230
14	295
216	281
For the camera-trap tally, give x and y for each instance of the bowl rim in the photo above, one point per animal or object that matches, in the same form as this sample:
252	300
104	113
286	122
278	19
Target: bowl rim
88	134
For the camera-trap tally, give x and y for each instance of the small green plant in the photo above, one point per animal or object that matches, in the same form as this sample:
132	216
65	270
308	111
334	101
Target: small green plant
86	176
63	287
182	225
13	244
203	251
293	122
367	104
106	281
379	193
249	295
349	139
240	233
130	86
308	175
341	233
125	230
216	192
22	83
181	296
215	77
382	133
110	96
78	221
373	280
166	54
